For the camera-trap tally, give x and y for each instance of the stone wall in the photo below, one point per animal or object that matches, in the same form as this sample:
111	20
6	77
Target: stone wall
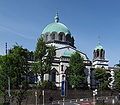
30	98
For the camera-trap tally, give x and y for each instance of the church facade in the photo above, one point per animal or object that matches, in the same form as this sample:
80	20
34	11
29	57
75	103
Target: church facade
58	35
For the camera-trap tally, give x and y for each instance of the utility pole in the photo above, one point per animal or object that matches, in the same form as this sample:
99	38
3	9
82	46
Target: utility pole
9	90
9	95
36	96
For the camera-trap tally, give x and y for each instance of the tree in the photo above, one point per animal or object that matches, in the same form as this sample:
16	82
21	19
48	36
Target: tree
117	80
3	85
40	52
20	56
15	65
102	76
76	70
43	58
117	65
51	53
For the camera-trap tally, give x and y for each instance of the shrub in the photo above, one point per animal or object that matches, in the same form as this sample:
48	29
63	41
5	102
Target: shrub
47	85
4	103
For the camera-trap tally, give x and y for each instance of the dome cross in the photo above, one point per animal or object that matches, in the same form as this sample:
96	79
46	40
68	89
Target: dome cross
56	17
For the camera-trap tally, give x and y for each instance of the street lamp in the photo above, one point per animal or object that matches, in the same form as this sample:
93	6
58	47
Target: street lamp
9	95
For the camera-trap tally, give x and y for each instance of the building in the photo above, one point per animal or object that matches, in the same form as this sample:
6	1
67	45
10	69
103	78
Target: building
58	35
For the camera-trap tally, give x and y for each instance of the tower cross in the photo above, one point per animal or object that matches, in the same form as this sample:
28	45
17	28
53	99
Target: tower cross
99	40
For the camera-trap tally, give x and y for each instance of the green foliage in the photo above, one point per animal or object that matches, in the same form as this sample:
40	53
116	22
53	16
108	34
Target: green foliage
40	50
117	80
117	65
44	58
24	83
3	85
104	86
76	80
50	57
47	85
76	64
102	76
20	95
76	70
1	103
15	65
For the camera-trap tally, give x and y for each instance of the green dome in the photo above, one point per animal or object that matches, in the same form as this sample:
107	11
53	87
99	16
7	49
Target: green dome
99	47
56	27
68	53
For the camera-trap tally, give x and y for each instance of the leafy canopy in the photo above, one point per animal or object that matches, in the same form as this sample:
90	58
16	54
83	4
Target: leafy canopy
15	64
44	57
76	64
102	76
76	70
117	79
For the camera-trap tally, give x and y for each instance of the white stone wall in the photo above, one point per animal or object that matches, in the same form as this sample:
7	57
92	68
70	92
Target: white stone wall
100	64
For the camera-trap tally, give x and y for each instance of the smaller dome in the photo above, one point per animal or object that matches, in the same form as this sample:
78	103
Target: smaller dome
99	47
68	53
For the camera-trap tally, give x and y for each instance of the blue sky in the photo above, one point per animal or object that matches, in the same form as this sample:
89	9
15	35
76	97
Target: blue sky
23	21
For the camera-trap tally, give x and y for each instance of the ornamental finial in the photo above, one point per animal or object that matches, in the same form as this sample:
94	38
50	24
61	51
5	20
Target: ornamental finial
56	17
99	40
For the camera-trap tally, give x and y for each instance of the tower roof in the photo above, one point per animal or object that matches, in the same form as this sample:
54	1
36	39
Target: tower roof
99	46
68	53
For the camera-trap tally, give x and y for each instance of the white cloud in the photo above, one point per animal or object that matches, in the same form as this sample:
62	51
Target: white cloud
5	28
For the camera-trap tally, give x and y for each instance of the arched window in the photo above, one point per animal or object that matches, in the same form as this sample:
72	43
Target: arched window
46	37
94	54
68	38
61	37
97	53
53	37
72	41
53	76
101	53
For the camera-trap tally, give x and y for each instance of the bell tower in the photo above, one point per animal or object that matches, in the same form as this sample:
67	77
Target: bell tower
99	52
99	57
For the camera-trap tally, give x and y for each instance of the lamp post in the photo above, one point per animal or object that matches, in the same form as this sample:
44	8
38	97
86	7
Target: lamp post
9	95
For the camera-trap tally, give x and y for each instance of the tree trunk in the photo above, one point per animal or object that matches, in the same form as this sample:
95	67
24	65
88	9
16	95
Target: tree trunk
41	78
36	78
26	78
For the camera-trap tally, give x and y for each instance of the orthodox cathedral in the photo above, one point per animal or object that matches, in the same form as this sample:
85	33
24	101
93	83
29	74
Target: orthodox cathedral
58	35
